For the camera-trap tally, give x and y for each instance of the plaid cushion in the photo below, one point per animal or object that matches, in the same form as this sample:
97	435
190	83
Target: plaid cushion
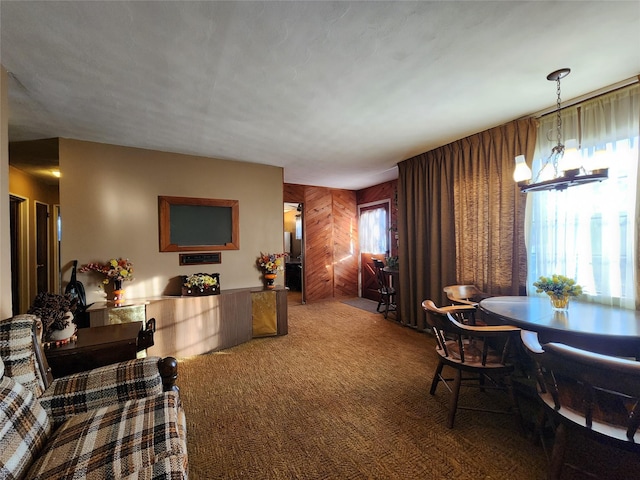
173	467
18	355
119	441
102	386
24	429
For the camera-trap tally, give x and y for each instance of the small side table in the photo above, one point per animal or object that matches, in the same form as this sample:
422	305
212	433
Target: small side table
99	346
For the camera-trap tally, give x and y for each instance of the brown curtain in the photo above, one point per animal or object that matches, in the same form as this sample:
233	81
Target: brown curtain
461	218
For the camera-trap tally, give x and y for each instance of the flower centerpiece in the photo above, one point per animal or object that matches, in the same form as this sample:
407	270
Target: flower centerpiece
199	284
270	263
118	270
56	314
559	288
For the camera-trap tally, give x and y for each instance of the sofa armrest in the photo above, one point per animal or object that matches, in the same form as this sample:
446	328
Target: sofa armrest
117	383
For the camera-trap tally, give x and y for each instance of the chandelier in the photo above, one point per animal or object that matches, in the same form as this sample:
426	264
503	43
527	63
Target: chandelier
554	175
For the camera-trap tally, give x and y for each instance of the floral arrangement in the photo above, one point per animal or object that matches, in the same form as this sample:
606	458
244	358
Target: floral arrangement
558	286
271	262
201	284
201	281
392	262
115	269
52	310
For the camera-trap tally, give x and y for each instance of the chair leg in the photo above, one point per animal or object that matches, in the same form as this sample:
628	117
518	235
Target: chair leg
538	430
515	405
436	378
386	306
453	402
379	304
557	454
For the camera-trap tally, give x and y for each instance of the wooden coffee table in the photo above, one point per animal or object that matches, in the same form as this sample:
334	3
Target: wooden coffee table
99	346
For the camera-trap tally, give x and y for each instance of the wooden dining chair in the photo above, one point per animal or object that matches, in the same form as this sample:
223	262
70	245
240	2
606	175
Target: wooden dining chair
466	349
585	393
387	293
465	294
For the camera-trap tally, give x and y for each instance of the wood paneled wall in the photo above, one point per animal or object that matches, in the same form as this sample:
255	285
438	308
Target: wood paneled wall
331	240
345	243
318	237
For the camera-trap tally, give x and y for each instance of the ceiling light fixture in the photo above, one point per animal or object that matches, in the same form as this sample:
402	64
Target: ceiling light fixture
550	176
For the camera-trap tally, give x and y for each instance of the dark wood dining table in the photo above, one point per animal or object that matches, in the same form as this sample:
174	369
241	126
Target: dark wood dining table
591	326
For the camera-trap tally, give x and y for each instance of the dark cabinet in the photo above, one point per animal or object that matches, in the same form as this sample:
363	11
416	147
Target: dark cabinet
293	276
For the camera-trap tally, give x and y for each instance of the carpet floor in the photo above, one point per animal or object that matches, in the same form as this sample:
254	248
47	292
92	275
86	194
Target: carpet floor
345	395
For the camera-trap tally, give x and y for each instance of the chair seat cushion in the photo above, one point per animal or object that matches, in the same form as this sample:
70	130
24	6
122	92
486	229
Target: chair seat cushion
472	352
144	438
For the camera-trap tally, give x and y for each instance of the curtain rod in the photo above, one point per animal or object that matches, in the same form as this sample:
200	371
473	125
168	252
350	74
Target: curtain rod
587	96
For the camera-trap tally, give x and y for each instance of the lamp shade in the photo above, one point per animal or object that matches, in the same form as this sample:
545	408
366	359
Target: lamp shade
522	171
571	158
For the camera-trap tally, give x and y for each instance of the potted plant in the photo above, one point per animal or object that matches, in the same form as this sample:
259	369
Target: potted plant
56	313
559	288
200	284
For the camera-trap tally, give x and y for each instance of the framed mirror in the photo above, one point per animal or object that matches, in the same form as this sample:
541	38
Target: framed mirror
189	224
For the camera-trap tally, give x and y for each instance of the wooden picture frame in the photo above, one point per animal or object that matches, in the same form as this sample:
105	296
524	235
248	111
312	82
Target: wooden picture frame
188	224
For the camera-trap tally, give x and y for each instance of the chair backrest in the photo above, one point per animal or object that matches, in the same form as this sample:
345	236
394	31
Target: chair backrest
381	277
450	319
597	392
24	424
451	324
20	352
464	294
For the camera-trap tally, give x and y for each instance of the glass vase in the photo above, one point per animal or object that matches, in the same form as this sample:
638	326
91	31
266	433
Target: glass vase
559	303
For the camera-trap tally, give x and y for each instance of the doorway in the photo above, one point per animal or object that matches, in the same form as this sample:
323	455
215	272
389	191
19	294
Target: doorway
19	276
42	247
34	243
375	240
294	247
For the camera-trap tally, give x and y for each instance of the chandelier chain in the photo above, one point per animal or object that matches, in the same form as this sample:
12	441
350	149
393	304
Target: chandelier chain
559	119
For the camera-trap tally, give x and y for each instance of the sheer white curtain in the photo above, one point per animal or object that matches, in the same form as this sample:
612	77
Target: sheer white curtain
589	232
373	231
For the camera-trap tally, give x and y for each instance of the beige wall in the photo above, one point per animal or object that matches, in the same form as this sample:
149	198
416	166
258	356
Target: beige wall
109	208
5	239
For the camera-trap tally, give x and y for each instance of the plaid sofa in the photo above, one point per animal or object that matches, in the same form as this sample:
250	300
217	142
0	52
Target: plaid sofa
111	422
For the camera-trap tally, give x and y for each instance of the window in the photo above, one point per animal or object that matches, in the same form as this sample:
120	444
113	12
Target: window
374	230
587	232
298	227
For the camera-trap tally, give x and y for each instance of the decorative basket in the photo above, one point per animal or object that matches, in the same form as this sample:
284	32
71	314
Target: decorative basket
201	292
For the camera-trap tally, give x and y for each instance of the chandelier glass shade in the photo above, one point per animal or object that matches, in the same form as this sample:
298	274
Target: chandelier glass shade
563	167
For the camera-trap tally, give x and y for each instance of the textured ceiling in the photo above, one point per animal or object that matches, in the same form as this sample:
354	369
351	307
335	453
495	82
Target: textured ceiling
337	93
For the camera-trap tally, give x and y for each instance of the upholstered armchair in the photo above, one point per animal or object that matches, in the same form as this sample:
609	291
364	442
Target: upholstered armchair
119	421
